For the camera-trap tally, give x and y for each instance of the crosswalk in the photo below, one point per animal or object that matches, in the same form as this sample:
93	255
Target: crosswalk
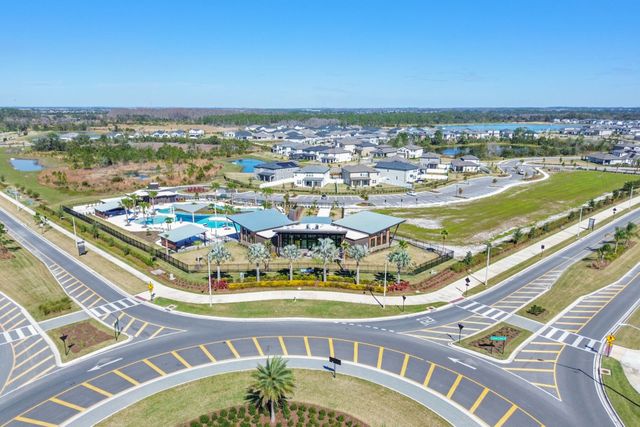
17	334
484	310
114	307
571	339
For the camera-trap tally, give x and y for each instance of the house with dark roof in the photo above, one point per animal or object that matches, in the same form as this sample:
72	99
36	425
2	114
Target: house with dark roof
385	151
360	176
312	176
275	171
109	209
430	160
466	166
257	226
395	172
605	159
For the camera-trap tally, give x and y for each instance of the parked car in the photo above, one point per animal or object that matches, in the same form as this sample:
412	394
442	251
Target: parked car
412	193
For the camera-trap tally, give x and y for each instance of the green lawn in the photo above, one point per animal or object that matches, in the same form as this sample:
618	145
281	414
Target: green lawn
291	308
624	398
371	403
581	279
629	336
477	221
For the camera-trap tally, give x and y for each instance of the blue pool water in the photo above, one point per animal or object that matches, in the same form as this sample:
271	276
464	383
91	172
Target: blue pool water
26	165
510	126
247	164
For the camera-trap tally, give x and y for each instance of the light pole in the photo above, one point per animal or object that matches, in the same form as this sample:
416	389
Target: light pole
467	281
630	195
460	328
579	221
384	289
486	270
209	276
541	249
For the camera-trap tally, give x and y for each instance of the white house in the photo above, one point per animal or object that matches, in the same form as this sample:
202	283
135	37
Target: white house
360	176
196	133
467	166
335	155
402	174
348	144
312	176
410	151
429	160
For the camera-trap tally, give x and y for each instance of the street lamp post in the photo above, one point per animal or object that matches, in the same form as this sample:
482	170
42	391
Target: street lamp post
209	277
580	220
404	298
486	270
467	281
384	288
460	328
541	249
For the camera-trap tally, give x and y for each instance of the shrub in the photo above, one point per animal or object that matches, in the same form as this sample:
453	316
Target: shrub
223	413
536	310
204	419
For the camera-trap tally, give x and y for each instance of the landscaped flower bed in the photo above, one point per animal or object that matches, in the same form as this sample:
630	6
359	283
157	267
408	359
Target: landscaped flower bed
295	414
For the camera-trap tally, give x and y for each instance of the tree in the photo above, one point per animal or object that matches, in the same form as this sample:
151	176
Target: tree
517	236
401	258
144	207
3	233
273	383
631	230
444	234
619	235
128	204
257	253
438	137
168	220
358	253
267	192
326	251
219	254
152	197
215	186
292	253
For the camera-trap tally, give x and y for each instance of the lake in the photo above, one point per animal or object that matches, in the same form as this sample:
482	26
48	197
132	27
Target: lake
247	164
482	127
26	165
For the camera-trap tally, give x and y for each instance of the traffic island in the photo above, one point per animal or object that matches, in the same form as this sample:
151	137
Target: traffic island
498	342
80	338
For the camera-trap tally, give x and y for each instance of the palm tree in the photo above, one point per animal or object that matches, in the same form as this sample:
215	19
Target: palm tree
273	383
144	206
292	253
401	258
358	253
631	231
257	253
344	247
619	235
168	220
325	250
127	203
3	233
267	192
152	197
443	235
219	254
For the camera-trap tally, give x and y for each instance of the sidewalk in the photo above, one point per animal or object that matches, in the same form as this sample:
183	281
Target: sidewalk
449	293
630	361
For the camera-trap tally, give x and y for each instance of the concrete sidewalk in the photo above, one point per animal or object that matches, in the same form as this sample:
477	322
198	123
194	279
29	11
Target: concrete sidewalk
630	361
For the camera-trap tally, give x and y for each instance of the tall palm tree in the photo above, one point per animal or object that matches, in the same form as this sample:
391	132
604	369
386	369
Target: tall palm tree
152	197
144	207
631	230
443	235
619	235
401	258
292	253
273	383
127	204
168	220
257	253
219	254
358	253
326	251
267	192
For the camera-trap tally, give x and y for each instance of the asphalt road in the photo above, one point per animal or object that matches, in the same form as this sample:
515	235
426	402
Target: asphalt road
416	348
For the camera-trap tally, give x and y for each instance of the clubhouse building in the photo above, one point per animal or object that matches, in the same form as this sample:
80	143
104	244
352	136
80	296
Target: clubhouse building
373	230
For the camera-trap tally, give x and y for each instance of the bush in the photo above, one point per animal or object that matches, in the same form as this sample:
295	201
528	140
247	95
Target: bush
204	419
55	306
536	310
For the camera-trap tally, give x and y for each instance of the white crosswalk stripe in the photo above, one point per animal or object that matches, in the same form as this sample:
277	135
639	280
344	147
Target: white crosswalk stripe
17	334
484	310
114	306
571	339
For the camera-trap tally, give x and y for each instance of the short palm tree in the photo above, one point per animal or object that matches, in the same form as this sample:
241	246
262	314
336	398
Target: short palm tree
401	258
273	383
619	235
219	254
326	251
358	253
292	253
443	235
168	220
257	253
152	198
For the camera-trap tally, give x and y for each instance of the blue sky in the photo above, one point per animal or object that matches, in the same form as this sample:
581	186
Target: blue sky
348	53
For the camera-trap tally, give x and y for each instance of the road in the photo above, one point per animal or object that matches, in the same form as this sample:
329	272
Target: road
416	349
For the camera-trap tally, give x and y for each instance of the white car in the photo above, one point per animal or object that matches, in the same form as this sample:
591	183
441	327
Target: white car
412	193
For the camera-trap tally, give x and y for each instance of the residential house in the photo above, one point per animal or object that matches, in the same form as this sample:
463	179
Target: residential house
410	151
275	171
385	151
430	160
312	176
402	174
335	155
466	166
360	176
196	133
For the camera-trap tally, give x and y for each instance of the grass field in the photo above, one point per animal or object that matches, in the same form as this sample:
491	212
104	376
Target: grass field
477	221
629	336
580	279
28	282
510	344
84	337
373	404
297	308
624	398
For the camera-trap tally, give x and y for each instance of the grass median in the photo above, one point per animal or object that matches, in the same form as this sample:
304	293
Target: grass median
483	344
294	308
371	403
624	398
82	338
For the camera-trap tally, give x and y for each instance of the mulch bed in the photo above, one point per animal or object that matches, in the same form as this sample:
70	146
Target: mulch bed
84	335
487	345
297	414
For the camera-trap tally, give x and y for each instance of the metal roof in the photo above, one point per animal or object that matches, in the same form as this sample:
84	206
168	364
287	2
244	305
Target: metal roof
191	207
276	165
368	222
182	233
314	169
260	220
315	220
108	206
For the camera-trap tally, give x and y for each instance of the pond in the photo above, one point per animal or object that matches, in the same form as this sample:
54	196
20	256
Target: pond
247	164
26	165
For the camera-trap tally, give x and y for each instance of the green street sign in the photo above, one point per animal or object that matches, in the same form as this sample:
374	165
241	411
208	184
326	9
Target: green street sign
498	338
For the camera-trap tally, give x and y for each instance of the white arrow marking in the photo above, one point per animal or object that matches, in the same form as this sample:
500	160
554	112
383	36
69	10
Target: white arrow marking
101	365
454	360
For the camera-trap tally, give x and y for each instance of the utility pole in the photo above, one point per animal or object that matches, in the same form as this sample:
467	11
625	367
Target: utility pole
384	289
579	221
486	270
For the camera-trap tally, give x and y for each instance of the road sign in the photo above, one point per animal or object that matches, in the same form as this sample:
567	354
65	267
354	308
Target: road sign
611	338
335	361
150	287
498	338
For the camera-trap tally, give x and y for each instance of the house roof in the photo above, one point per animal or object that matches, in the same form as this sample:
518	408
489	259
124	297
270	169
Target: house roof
463	163
314	169
358	169
182	233
396	165
336	151
276	165
260	220
469	157
430	155
368	222
108	206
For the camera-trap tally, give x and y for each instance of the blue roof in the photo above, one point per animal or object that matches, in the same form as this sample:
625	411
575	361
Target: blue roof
368	222
276	165
191	207
396	165
183	233
315	220
109	206
261	220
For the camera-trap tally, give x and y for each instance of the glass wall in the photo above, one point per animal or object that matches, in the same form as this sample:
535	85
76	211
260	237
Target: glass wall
308	240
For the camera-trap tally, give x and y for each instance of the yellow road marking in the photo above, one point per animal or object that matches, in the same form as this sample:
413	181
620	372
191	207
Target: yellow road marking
15	325
82	293
545	385
257	344
97	390
30	357
27	349
584	311
233	349
73	287
506	416
125	377
404	365
160	329
576	317
355	352
41	374
121	315
589	306
380	353
479	400
534	360
34	422
529	369
331	352
306	346
546	343
94	303
454	386
133	319
569	323
206	352
180	359
67	404
141	329
284	347
427	378
93	294
29	370
540	351
154	367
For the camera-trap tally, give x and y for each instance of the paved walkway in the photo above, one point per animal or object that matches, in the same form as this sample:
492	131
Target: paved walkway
630	361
